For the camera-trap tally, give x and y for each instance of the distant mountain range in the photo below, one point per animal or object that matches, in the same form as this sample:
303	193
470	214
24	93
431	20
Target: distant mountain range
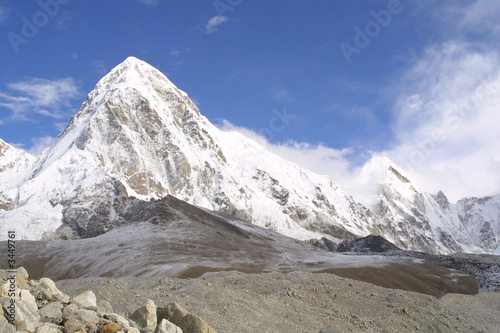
138	135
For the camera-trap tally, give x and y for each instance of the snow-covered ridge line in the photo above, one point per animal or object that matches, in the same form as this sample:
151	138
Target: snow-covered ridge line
138	130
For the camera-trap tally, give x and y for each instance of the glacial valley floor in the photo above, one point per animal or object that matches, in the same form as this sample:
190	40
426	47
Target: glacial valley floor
235	302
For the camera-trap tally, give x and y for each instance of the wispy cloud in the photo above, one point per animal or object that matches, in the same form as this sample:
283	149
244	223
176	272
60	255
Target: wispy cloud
214	23
50	98
4	15
445	111
63	20
178	53
100	67
317	158
281	95
149	2
445	118
481	15
39	144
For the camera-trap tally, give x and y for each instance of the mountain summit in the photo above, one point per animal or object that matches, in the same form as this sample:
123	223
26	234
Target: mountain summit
138	135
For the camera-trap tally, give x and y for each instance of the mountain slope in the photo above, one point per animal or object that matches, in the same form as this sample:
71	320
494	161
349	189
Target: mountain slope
414	219
139	132
138	135
481	216
14	164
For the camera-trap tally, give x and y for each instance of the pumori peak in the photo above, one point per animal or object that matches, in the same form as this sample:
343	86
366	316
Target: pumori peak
138	135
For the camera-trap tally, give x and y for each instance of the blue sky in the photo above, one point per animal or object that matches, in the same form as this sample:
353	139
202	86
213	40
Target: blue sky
324	83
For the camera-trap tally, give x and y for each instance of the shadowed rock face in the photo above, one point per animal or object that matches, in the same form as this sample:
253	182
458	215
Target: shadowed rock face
170	237
369	243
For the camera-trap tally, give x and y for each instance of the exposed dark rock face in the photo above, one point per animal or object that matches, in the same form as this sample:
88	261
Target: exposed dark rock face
369	243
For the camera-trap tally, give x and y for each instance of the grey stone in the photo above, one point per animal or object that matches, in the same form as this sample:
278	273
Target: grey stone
188	322
104	307
88	318
115	318
70	310
52	313
26	296
46	290
145	316
25	326
23	272
86	300
21	281
5	327
49	328
167	327
5	290
74	326
21	309
133	330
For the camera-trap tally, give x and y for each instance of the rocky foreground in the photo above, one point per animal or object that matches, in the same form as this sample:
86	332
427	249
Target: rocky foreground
236	302
40	307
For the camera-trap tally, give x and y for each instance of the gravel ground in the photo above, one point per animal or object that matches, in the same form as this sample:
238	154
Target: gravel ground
236	302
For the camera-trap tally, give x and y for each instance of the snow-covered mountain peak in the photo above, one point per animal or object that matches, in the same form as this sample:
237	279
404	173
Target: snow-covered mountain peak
138	135
377	174
382	170
137	74
13	163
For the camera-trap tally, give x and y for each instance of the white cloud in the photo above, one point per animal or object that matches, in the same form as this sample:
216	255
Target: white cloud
213	24
446	125
447	120
317	158
44	97
39	144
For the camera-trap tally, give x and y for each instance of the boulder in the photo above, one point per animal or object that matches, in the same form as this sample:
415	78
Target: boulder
74	326
52	313
23	311
167	327
26	326
5	327
111	328
115	318
5	290
86	300
23	272
90	320
104	307
21	281
145	316
49	328
133	330
188	322
70	310
46	289
25	295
